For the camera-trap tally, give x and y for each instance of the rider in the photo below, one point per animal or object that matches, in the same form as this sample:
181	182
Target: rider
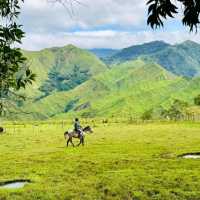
77	127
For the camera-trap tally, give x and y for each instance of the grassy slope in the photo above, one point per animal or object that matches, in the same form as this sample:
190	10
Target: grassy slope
127	89
181	59
133	52
178	61
120	161
40	63
63	59
70	55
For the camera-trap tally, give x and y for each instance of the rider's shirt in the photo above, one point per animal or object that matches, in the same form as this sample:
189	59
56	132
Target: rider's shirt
77	126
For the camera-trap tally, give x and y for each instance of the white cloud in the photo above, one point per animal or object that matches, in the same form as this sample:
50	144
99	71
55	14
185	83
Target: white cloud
103	39
39	15
97	23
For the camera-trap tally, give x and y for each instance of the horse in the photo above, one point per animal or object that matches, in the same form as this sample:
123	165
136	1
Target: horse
1	130
74	134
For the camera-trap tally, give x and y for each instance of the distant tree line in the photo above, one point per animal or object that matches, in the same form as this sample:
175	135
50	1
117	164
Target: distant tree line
178	110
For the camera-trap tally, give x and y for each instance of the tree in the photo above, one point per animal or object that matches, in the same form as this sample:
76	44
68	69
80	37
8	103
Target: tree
58	81
159	10
197	100
14	73
176	111
147	115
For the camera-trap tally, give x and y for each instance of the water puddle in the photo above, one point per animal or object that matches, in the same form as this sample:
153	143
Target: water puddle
190	156
14	184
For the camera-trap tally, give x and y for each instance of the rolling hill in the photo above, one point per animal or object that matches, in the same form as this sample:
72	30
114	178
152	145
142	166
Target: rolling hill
180	59
75	82
59	69
133	52
128	89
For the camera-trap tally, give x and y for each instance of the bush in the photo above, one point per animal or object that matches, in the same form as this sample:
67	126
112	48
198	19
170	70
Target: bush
197	100
177	109
147	115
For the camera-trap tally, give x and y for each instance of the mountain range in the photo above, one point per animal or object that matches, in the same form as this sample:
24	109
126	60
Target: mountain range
181	59
110	83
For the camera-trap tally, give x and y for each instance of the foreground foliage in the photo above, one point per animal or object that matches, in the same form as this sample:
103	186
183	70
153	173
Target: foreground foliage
161	9
13	72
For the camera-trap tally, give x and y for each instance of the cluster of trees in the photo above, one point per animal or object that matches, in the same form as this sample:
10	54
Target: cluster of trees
176	111
62	82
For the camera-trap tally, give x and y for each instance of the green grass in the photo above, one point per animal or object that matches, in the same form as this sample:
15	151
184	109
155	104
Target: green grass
119	161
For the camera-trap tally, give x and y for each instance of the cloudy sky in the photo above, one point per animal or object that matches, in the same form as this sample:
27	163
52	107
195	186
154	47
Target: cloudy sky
93	24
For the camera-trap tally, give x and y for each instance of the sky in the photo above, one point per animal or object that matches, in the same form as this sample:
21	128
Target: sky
94	24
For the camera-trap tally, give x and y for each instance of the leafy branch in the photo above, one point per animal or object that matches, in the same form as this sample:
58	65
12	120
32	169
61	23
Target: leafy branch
159	10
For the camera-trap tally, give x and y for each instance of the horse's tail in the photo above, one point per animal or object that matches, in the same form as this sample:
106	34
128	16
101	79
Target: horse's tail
66	134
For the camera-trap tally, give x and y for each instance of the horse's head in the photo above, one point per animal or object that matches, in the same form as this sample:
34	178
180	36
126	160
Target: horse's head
88	129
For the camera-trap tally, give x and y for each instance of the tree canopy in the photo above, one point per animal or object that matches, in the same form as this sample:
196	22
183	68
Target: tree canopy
14	73
159	10
197	100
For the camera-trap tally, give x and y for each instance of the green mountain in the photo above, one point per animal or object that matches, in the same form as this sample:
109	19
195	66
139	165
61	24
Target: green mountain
103	53
59	69
74	82
133	52
181	59
128	89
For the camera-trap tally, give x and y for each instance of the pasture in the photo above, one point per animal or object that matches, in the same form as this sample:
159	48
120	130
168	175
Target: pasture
120	161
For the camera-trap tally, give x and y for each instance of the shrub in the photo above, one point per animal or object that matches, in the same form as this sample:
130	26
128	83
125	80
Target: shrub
197	100
147	115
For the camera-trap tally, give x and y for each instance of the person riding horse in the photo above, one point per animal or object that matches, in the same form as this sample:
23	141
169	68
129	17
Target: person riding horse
77	127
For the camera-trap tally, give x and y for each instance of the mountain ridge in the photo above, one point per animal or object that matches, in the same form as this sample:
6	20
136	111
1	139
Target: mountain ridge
181	59
75	82
114	93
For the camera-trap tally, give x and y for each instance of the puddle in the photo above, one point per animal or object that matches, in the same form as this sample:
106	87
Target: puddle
190	155
14	184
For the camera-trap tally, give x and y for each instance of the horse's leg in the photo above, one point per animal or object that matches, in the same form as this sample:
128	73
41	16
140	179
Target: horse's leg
83	141
80	141
72	142
68	142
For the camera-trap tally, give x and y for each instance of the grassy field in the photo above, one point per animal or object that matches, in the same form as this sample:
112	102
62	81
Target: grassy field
119	161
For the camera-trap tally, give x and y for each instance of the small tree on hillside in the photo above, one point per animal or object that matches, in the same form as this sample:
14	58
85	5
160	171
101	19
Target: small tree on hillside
197	100
147	115
176	111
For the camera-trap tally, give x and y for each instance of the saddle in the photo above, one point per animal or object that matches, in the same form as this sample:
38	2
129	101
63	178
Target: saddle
78	132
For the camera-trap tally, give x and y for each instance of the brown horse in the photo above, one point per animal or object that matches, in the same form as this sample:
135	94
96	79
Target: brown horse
74	134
